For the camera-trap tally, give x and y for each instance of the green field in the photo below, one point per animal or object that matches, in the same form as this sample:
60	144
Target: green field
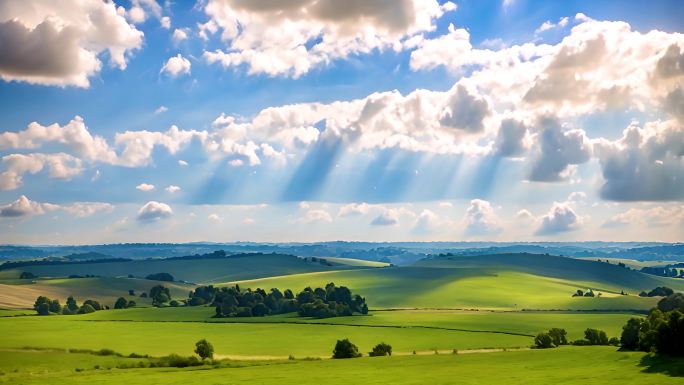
570	365
478	306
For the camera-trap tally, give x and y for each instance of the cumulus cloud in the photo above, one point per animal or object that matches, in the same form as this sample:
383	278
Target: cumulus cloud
160	110
140	9
658	216
560	218
292	38
176	66
559	149
480	218
428	222
60	42
172	189
86	209
389	217
154	211
464	111
60	166
353	209
179	34
145	187
215	218
512	139
182	163
645	164
547	25
23	207
315	216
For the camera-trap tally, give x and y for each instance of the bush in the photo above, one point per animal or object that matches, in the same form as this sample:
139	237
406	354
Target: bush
43	309
381	349
96	305
345	349
204	349
27	275
543	341
131	303
174	303
121	303
176	361
614	341
86	309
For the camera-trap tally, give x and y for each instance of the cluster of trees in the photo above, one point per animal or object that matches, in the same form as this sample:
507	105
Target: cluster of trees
588	293
596	337
160	277
553	338
160	295
660	291
331	301
122	303
672	302
346	349
47	306
663	271
661	332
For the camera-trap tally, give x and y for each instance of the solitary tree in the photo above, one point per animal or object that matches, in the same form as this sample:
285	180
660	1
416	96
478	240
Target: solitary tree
71	304
204	349
345	349
121	303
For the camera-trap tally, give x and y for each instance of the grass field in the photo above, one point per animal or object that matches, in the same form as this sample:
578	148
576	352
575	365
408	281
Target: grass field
570	365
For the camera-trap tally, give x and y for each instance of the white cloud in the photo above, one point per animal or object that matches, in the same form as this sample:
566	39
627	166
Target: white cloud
353	209
658	216
446	204
248	221
138	145
391	216
525	216
560	218
428	222
176	65
182	163
60	42
160	110
86	209
138	12
480	218
23	207
236	162
165	22
559	149
215	218
60	166
315	216
154	211
172	189
547	25
145	187
179	34
290	39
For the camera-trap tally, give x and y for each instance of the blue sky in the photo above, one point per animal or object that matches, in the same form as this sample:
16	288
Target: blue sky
222	120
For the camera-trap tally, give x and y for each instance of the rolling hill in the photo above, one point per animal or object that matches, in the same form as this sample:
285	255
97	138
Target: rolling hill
503	282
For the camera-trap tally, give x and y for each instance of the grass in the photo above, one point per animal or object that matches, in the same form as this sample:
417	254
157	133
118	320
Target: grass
570	365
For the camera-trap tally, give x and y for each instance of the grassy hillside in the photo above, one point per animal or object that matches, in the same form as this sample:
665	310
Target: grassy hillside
191	270
510	282
104	289
571	365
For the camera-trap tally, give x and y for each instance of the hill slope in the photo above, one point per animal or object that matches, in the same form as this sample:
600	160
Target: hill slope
507	281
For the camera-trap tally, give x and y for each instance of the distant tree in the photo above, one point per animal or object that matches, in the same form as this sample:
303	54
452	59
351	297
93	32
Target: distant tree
578	293
596	337
96	305
614	341
589	293
71	304
630	333
288	294
55	307
131	292
27	275
345	349
160	295
260	310
543	341
160	277
174	303
672	302
86	309
558	336
381	349
204	349
41	300
121	303
43	309
131	303
143	295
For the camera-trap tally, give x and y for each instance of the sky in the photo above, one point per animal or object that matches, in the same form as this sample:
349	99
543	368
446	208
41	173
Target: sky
318	120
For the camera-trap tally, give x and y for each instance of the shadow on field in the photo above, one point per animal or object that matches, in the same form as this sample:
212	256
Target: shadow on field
671	366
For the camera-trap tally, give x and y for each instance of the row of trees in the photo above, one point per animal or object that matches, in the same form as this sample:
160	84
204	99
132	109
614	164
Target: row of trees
665	271
588	293
331	301
47	306
662	331
660	291
556	337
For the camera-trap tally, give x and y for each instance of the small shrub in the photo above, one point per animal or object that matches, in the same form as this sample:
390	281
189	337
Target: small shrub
345	349
381	349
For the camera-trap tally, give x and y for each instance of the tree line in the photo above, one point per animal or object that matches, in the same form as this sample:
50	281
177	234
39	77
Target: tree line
331	301
662	331
47	306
